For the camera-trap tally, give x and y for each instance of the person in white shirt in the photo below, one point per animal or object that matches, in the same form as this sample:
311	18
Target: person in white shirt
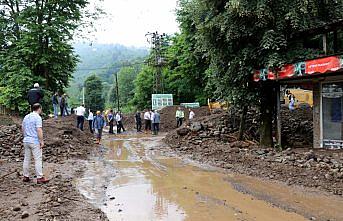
80	113
147	121
191	116
152	120
119	119
90	120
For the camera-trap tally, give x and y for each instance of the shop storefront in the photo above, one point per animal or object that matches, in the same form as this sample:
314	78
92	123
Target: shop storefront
326	78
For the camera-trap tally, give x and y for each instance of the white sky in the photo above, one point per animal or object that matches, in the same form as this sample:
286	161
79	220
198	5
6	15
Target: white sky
128	21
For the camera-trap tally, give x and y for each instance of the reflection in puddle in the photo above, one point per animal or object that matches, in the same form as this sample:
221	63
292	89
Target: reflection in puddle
133	182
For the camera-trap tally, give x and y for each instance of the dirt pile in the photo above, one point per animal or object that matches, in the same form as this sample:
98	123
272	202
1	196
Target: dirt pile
213	140
62	141
168	121
297	128
57	200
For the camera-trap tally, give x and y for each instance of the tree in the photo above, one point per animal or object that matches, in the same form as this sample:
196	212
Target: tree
144	88
185	74
126	76
35	46
239	36
93	93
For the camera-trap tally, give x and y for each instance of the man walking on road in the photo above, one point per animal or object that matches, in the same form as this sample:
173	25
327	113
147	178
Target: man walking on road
156	122
32	128
98	125
180	115
35	95
138	120
55	104
80	113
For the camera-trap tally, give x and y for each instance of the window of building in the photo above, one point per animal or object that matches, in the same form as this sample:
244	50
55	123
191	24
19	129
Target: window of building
332	109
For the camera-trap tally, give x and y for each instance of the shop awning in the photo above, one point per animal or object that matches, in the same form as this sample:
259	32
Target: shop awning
303	69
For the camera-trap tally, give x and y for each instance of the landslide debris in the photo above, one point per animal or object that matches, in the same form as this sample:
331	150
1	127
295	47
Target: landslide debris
65	148
62	141
213	140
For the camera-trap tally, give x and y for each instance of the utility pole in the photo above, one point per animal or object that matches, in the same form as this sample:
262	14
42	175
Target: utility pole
83	94
117	91
158	43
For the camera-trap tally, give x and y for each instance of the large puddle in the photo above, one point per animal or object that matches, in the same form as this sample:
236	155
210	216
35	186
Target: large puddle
131	180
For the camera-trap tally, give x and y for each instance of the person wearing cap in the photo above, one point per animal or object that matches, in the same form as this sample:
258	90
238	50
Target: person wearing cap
35	95
98	125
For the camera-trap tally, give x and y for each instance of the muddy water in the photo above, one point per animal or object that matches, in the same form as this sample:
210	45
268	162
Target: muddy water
131	180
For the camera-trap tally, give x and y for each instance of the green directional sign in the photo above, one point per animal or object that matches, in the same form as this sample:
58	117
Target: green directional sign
190	105
161	100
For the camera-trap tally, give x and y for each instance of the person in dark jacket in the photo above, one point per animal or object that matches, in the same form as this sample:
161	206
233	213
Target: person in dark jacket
55	104
63	105
110	119
156	120
98	125
138	120
35	95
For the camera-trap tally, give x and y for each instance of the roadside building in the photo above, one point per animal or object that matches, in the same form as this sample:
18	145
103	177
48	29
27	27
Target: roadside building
324	77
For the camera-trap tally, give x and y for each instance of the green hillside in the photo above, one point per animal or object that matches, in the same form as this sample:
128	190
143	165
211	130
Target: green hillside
104	60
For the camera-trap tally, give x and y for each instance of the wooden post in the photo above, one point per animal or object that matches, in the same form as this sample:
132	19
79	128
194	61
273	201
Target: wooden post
278	115
335	42
325	46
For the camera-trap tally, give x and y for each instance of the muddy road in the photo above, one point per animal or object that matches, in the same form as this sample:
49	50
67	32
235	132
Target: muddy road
136	177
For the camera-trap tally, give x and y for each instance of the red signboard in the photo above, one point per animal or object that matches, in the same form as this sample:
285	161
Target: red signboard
286	71
316	66
323	65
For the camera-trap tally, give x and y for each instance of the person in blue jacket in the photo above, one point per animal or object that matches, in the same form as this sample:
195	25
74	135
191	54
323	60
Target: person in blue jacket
98	126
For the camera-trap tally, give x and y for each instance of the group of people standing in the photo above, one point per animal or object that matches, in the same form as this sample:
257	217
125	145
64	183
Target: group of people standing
98	121
152	120
60	103
115	119
180	116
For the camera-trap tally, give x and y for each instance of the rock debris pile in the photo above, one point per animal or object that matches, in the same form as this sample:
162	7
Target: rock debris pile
213	140
62	141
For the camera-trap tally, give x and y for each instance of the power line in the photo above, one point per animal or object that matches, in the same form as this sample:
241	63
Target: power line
107	68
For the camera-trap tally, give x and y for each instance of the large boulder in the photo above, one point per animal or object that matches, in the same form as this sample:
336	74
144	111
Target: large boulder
183	131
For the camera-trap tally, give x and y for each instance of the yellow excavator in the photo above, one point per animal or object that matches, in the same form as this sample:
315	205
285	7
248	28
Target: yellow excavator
302	97
217	104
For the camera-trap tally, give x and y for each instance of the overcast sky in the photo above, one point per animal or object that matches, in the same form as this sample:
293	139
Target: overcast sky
128	21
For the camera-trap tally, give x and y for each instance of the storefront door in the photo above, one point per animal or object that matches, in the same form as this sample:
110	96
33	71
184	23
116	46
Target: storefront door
332	114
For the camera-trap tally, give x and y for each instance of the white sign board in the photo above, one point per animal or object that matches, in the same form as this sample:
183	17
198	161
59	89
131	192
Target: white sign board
161	100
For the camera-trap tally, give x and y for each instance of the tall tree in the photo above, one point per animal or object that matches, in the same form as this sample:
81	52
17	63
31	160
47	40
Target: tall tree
35	43
239	36
126	77
94	93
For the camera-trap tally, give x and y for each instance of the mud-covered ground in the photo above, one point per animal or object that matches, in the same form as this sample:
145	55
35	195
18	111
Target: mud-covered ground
57	200
213	140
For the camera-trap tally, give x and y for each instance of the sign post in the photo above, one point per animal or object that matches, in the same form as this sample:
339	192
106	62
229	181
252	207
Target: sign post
161	100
